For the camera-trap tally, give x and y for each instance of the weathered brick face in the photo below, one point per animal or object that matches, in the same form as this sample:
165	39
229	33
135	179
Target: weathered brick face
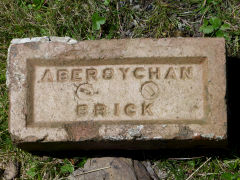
117	92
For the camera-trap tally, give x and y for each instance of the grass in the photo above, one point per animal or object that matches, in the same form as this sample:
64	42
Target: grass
216	168
91	19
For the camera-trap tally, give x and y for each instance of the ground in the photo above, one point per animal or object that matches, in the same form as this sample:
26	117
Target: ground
111	19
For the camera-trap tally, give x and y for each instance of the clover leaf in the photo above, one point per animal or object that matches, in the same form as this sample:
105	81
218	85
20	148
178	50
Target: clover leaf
206	29
106	2
97	21
216	22
225	27
215	27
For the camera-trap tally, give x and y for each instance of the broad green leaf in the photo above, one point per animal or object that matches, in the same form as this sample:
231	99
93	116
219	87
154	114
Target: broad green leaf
201	28
97	21
67	168
30	6
227	36
205	22
216	22
82	162
225	27
206	29
106	2
32	172
219	33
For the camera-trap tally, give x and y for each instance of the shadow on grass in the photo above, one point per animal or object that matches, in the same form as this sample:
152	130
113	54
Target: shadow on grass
233	102
232	98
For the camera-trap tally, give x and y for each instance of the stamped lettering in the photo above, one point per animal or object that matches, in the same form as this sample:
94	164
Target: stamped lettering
62	75
92	74
82	109
186	72
137	73
121	91
154	73
99	109
47	76
108	73
76	75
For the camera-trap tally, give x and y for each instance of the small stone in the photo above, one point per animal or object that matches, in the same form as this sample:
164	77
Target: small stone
149	7
128	33
11	171
136	7
110	168
141	171
162	174
150	170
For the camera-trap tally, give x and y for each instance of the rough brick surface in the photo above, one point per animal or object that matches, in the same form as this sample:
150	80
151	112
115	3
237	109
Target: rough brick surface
128	94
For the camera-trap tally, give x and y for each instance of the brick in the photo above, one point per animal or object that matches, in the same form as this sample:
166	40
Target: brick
117	94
